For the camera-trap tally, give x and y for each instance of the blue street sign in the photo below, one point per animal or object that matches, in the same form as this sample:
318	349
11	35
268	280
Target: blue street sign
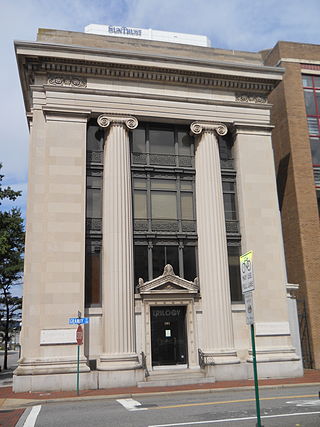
78	320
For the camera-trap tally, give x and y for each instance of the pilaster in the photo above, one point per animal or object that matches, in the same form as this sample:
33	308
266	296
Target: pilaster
260	228
55	244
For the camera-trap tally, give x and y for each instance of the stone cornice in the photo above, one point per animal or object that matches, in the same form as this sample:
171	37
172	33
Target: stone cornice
59	71
72	71
106	120
63	51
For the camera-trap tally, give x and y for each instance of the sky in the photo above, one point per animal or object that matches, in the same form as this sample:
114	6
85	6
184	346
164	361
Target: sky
250	25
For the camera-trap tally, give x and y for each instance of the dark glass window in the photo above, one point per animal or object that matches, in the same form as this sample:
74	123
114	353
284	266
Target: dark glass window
140	263
318	199
161	141
139	141
311	86
189	263
185	143
229	198
94	153
312	100
169	200
315	150
162	255
163	200
93	277
94	138
234	273
162	145
94	202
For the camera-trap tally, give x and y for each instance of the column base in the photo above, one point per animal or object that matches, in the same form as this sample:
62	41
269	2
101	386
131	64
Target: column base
276	363
224	365
44	366
118	362
55	382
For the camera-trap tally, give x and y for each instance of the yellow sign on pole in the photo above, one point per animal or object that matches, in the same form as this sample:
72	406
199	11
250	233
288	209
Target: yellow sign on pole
246	272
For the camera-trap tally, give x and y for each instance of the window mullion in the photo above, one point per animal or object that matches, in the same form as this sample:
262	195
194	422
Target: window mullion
181	269
149	202
150	260
148	144
178	195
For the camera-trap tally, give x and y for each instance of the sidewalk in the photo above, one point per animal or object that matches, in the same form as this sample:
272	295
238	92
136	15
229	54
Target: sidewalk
11	400
12	404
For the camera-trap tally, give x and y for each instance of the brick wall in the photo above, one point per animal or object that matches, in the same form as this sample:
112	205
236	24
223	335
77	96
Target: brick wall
297	196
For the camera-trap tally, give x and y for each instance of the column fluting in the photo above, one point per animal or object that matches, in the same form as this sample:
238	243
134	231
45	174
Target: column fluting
117	247
212	245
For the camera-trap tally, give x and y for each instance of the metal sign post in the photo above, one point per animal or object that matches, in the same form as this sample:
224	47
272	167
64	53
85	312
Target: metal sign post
247	283
79	337
255	374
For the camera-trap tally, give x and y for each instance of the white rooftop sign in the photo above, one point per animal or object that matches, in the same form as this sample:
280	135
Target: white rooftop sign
147	34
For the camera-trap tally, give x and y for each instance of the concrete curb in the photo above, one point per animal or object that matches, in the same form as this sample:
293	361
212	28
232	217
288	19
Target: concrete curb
11	403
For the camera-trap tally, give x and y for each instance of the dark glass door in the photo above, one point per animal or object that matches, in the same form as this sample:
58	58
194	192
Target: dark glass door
168	335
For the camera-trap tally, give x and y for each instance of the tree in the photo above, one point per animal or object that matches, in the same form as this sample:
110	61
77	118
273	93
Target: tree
11	261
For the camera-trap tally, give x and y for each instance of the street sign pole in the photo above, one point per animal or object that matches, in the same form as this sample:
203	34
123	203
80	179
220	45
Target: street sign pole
247	284
79	338
255	374
78	369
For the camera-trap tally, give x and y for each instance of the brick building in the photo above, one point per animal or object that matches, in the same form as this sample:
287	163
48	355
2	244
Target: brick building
296	115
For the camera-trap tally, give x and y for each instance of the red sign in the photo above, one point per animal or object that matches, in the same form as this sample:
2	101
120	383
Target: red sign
79	335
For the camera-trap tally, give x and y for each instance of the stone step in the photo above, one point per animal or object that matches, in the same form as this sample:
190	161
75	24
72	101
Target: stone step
165	378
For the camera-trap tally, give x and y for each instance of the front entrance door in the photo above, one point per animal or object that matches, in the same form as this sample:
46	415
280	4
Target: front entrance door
168	335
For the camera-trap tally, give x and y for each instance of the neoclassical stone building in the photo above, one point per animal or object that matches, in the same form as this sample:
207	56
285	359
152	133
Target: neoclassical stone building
151	171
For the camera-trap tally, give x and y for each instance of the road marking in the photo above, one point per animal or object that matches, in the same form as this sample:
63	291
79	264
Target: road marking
223	402
306	403
192	423
131	404
32	417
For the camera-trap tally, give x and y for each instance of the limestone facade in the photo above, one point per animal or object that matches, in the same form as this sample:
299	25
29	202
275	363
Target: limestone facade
70	79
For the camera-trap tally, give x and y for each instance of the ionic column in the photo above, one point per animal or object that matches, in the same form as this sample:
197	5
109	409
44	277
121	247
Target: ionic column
117	247
212	245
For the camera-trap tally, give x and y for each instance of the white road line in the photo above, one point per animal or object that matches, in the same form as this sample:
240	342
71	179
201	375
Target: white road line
32	417
192	423
131	404
305	402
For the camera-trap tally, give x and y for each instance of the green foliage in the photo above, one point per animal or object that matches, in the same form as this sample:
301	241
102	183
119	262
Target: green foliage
11	261
7	193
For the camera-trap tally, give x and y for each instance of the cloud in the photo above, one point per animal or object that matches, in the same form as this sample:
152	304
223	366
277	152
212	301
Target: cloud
231	24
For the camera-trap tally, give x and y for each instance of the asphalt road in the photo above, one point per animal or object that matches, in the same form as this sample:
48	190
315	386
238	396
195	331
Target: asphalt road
285	407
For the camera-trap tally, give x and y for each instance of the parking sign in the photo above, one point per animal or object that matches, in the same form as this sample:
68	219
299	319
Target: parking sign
246	272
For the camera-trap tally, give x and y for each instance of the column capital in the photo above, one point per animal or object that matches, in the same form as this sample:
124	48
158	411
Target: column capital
105	120
198	127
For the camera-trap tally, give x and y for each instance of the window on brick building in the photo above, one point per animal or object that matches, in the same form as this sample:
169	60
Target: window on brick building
311	88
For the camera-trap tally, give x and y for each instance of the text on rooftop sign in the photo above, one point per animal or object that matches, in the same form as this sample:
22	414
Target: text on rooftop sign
124	30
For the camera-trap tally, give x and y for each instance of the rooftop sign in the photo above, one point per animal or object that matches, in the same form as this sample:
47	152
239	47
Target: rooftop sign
147	34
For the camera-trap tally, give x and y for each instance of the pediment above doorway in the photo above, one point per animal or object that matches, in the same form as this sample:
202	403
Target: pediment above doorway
168	283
